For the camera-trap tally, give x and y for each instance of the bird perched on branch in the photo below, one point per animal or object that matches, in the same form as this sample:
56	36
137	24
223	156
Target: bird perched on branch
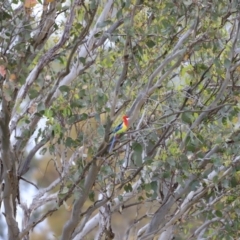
121	128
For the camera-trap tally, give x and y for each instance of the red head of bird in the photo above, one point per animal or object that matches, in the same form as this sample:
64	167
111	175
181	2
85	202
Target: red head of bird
125	120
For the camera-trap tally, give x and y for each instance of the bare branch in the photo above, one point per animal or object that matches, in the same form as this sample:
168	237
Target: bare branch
93	222
203	226
45	59
10	191
72	223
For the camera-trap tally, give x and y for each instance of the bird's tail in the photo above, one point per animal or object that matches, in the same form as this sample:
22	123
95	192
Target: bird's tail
112	142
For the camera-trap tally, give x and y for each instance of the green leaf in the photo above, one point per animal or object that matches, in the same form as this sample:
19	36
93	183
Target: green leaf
186	117
217	62
148	187
82	60
4	16
194	185
101	100
166	174
69	142
137	154
171	161
77	118
127	2
77	195
227	63
33	93
97	117
149	195
215	179
120	198
64	190
154	186
66	112
140	50
101	131
150	43
119	13
148	160
128	187
64	88
191	147
83	116
217	161
43	151
73	119
224	121
104	24
218	213
140	198
41	107
106	170
91	196
93	4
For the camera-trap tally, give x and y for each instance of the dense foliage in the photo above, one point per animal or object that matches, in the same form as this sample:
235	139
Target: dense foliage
70	70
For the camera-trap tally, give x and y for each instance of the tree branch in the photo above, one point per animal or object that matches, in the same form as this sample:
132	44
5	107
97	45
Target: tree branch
72	223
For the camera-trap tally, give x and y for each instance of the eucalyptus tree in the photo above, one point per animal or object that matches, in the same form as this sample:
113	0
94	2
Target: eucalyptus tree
70	70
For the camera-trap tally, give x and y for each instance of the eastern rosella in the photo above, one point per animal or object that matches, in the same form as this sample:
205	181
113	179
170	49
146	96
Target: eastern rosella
121	128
